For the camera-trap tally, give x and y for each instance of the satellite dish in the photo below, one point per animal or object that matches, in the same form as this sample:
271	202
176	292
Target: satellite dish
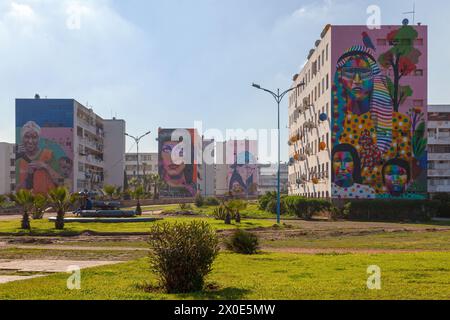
405	22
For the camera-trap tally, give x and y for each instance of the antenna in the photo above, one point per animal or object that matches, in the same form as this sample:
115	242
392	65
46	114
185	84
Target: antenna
413	13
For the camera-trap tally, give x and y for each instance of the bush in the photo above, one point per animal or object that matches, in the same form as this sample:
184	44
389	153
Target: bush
392	210
199	200
264	200
185	207
272	206
212	201
243	242
182	255
306	208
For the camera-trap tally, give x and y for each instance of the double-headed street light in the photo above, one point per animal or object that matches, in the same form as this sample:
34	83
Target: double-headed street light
278	98
137	140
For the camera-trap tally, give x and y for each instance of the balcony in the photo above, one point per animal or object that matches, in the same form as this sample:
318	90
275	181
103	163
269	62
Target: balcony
438	156
439	173
438	124
438	189
442	140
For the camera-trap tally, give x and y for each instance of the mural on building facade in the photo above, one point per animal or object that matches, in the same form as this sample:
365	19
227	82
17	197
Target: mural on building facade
242	163
180	175
379	114
44	138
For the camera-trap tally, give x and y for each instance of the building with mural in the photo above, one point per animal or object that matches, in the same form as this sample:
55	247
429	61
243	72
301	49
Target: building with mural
358	119
178	154
237	168
62	143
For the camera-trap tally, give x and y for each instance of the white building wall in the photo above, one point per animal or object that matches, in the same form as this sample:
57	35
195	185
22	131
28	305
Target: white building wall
114	152
7	168
148	163
317	89
438	148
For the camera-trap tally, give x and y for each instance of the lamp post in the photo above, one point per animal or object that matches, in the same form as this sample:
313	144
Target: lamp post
137	140
278	98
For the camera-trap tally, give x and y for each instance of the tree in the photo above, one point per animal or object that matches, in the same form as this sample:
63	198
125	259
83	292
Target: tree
24	199
39	205
157	184
236	206
2	200
61	200
402	59
110	190
138	193
125	181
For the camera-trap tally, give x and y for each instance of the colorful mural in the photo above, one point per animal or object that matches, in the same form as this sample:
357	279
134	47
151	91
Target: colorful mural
44	138
177	168
379	112
243	167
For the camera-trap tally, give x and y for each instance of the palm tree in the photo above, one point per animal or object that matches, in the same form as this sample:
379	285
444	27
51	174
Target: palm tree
110	190
24	199
157	183
138	193
61	200
39	205
2	200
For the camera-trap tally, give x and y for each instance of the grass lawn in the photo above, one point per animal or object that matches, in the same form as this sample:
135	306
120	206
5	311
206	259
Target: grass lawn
264	276
396	240
44	227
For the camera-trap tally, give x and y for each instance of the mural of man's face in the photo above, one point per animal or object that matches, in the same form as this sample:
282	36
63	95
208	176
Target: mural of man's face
172	169
357	78
31	142
343	167
396	179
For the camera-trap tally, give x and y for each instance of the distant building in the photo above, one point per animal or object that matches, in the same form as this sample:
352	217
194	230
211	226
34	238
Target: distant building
7	168
148	164
268	178
358	115
60	142
438	149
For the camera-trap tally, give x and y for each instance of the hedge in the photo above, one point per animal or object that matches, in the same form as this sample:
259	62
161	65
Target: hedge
391	210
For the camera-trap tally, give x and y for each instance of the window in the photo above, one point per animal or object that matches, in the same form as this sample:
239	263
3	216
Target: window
436	116
327	51
418	103
418	72
328	81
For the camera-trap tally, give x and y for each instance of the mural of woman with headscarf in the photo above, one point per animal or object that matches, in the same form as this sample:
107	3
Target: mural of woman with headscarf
37	166
364	116
243	175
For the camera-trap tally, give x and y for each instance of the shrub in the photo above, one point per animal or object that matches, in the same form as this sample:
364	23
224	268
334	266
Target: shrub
306	208
243	242
392	210
272	206
264	200
39	205
212	201
182	255
185	207
199	200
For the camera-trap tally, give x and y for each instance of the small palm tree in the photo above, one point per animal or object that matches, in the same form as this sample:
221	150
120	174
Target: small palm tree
61	200
157	183
39	205
25	200
110	191
138	193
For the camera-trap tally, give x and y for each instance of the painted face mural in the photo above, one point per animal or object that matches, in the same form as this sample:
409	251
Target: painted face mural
396	177
357	80
179	175
343	167
44	138
375	118
243	173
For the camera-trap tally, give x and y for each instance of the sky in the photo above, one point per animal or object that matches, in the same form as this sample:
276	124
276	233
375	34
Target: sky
170	63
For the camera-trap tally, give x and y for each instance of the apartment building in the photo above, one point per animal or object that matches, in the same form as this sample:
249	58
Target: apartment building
7	168
438	149
148	164
63	143
357	118
268	178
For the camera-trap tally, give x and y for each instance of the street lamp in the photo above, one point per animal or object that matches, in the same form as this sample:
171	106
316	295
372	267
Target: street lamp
278	98
137	140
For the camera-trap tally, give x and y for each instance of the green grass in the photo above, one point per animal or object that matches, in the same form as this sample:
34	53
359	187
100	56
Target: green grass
264	276
44	227
397	240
